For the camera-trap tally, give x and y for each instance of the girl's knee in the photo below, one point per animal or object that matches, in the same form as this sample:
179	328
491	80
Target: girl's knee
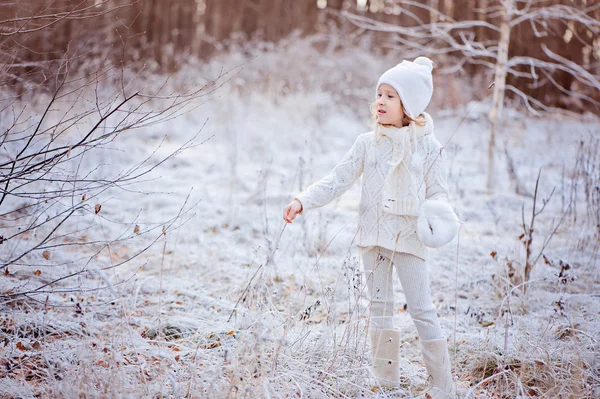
427	323
428	312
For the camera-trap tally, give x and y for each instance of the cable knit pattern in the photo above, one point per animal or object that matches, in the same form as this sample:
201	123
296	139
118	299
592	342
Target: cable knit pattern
371	156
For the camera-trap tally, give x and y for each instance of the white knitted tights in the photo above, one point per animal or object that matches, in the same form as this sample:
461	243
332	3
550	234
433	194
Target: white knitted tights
414	278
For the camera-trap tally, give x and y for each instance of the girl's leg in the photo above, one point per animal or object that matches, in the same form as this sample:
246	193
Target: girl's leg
414	278
415	282
385	339
380	287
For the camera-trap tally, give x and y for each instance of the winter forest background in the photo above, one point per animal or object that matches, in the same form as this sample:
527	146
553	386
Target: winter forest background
148	150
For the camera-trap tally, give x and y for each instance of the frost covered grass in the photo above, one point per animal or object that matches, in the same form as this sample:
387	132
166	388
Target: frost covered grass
231	302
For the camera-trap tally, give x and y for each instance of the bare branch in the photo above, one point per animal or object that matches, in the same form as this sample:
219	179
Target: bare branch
561	12
73	14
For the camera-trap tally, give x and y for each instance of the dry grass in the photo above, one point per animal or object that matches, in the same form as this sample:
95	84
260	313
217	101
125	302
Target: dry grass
299	330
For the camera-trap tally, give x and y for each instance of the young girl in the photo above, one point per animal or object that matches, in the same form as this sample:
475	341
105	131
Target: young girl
403	211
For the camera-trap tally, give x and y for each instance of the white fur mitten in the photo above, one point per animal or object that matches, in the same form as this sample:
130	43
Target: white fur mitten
437	224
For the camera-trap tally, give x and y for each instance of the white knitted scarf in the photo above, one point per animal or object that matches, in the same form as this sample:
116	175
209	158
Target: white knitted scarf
404	153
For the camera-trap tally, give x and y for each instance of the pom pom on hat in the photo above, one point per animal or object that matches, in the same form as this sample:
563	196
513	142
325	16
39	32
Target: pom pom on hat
413	83
424	61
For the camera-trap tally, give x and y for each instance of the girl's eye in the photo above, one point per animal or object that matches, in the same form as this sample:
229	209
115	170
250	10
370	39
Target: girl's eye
378	94
390	96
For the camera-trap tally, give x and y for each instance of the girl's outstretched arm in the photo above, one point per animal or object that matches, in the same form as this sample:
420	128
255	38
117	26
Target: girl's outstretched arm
340	179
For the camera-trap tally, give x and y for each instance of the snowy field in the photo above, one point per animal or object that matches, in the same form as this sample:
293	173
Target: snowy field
231	303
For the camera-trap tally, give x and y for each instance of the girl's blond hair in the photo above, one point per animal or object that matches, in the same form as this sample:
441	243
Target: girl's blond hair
406	120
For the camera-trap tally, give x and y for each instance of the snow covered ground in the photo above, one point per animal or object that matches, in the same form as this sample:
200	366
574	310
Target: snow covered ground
231	302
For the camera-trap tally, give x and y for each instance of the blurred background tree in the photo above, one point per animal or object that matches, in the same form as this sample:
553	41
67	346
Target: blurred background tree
35	34
544	55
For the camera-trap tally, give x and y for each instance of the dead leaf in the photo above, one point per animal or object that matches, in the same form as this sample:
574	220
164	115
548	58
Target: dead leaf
21	347
38	272
211	345
97	208
83	197
546	260
136	229
36	345
46	254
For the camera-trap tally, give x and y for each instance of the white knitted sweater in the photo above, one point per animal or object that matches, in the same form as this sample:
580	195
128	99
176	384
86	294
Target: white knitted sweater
390	168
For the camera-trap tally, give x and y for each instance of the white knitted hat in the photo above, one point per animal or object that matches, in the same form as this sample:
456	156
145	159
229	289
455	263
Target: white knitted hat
413	82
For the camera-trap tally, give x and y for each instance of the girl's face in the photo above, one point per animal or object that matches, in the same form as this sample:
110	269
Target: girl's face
389	106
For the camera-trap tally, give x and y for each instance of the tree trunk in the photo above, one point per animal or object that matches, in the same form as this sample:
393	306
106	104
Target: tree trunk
499	89
435	5
481	16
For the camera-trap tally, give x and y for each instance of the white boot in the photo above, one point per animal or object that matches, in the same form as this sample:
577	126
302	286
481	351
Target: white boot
437	363
386	355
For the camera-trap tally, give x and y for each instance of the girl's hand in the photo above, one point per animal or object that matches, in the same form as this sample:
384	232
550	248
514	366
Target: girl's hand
291	210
